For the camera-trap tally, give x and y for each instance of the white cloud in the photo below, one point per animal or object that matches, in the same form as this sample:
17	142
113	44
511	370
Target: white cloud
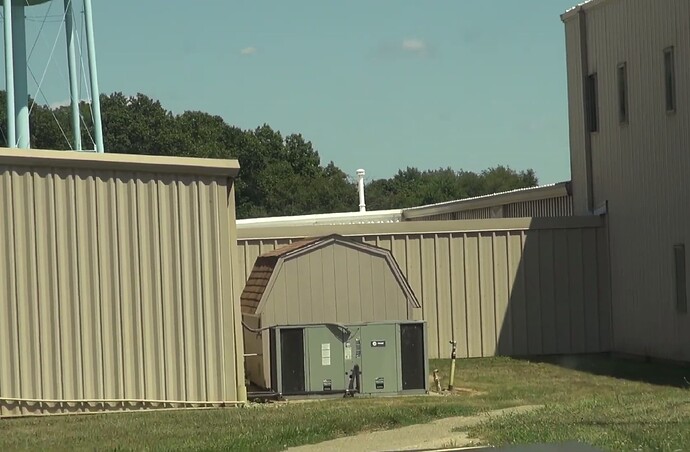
248	51
414	45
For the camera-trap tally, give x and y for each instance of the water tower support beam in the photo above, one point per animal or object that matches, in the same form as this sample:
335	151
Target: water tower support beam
9	73
93	74
21	88
73	75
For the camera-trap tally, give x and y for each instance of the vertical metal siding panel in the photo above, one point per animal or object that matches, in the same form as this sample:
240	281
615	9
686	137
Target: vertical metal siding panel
399	252
329	276
474	296
576	284
385	295
428	272
109	276
517	294
92	360
458	293
242	255
304	303
210	279
590	292
233	348
10	380
282	306
606	332
316	260
292	295
366	285
46	258
129	283
191	290
547	292
443	302
171	288
27	296
414	273
251	250
503	325
342	286
562	298
531	260
488	300
354	285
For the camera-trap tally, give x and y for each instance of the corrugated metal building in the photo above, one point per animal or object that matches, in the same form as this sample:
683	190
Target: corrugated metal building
628	64
118	283
554	200
326	279
498	287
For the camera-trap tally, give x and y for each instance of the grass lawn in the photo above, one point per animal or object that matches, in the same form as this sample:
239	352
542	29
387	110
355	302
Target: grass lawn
644	406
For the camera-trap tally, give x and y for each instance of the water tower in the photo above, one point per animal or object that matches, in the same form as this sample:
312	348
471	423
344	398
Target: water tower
14	17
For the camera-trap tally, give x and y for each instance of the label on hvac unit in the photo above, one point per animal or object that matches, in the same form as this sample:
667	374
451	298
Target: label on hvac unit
348	351
327	385
379	383
378	343
326	354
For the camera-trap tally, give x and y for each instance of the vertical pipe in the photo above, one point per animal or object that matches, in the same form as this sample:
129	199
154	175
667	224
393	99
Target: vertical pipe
73	74
9	74
95	93
21	88
360	187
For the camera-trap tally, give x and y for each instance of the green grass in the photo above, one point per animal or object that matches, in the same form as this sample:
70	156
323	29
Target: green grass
646	407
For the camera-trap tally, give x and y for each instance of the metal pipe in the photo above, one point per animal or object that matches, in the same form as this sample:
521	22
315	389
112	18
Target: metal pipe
9	74
360	183
451	381
73	75
21	88
93	75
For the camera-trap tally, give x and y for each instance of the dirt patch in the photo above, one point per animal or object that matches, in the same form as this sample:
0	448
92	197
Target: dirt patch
437	434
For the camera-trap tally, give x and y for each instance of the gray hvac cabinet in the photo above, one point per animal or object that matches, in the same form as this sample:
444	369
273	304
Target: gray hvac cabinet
364	358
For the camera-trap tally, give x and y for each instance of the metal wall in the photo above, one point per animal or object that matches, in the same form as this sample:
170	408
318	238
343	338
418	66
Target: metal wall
561	206
639	168
116	287
501	286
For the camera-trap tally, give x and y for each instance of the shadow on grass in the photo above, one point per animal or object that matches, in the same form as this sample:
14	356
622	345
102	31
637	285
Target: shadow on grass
625	368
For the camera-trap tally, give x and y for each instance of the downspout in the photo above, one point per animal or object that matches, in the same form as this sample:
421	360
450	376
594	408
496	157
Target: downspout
584	64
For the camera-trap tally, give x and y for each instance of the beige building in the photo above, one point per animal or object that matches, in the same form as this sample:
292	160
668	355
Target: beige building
326	279
118	283
628	64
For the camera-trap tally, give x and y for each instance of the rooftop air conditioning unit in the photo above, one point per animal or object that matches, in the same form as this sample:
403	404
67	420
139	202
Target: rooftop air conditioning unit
375	358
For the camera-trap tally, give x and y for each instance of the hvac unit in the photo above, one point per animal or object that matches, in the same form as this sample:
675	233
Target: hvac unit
374	358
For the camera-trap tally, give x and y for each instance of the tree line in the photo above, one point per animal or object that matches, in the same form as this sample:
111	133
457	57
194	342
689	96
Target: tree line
279	175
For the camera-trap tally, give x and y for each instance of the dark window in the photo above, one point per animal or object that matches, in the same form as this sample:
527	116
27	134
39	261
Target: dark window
623	93
670	79
681	291
592	104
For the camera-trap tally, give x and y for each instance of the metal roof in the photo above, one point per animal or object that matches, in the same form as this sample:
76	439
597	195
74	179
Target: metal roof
370	217
492	200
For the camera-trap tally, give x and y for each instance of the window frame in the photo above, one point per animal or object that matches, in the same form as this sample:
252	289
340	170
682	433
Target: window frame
592	102
623	93
670	99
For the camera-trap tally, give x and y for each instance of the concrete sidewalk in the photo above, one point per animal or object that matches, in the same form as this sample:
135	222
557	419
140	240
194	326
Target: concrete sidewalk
434	435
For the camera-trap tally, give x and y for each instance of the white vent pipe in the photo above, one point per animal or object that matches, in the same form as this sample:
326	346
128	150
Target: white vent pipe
360	186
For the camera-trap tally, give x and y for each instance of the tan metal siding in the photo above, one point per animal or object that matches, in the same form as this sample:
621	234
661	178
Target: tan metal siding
514	291
640	168
561	206
116	290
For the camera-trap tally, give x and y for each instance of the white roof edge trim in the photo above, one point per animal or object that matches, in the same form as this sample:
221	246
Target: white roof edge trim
568	14
373	216
492	200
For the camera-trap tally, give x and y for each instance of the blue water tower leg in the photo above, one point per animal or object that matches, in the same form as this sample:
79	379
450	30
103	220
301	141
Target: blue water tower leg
21	89
95	93
73	75
9	74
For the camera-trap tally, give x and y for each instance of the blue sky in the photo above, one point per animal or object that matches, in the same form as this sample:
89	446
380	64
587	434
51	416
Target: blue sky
379	84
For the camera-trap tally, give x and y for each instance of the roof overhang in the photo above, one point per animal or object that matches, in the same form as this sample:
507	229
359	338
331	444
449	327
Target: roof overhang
498	199
119	162
572	12
370	217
